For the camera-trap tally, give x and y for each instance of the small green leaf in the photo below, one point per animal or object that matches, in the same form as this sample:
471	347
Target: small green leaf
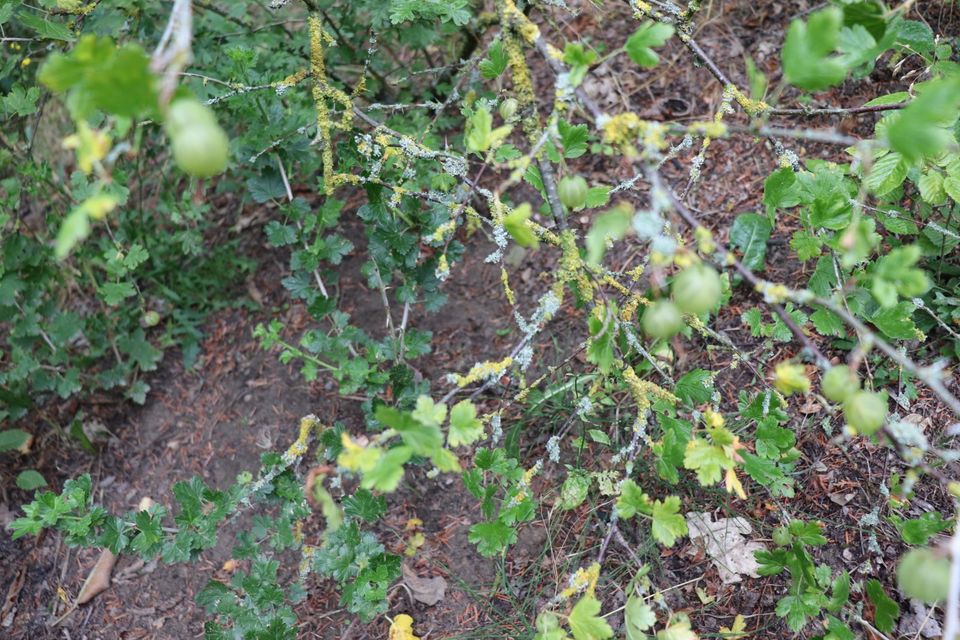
668	524
480	132
496	61
709	461
640	45
951	186
918	531
924	127
46	29
75	228
638	617
574	490
609	226
750	233
840	592
428	412
492	537
797	609
695	387
515	223
365	505
585	623
30	479
828	323
887	173
632	500
807	62
465	427
931	188
806	244
11	439
388	472
144	354
113	293
886	611
597	197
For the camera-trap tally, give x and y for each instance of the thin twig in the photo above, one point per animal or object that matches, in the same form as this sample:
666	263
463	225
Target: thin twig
952	617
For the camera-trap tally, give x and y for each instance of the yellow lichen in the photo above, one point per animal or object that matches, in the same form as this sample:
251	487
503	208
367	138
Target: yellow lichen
507	291
621	128
644	391
752	107
323	91
482	371
705	242
583	580
299	446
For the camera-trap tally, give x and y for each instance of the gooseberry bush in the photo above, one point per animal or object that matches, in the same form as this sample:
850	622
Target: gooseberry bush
436	125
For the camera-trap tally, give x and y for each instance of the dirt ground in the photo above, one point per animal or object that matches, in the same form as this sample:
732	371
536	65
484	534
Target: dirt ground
215	421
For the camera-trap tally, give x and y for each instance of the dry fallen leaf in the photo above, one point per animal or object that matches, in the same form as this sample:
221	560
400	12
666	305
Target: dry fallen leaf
726	542
919	622
99	578
429	591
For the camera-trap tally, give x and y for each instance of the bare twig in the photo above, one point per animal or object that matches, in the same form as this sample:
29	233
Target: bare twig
173	52
952	617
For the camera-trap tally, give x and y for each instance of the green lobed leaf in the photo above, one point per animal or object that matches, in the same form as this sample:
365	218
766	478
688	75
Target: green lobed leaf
574	490
886	610
750	233
667	523
640	45
585	621
807	62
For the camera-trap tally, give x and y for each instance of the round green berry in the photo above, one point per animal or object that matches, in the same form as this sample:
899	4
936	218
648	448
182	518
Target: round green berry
865	411
924	575
662	320
201	150
573	192
839	383
697	289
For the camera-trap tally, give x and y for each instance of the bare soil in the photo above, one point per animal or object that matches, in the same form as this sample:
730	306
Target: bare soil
216	420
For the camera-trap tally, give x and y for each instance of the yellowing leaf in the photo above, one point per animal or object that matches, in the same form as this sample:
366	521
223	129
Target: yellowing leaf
733	484
91	146
737	629
356	457
402	628
791	378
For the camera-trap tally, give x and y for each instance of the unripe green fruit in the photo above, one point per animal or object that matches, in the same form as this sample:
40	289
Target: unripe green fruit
188	112
150	319
865	411
924	575
508	108
662	320
839	383
782	536
697	289
201	150
573	191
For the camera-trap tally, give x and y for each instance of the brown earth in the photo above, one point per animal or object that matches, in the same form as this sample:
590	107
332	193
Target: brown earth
215	421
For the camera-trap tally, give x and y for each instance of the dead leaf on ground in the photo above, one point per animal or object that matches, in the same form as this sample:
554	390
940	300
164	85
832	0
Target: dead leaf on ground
429	591
727	543
6	516
99	578
9	609
841	498
919	622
